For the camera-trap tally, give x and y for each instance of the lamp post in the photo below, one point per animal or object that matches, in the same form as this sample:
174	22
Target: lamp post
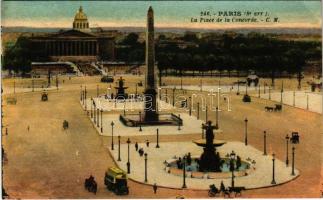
217	118
33	85
112	144
14	87
98	117
128	162
101	121
273	181
281	94
190	108
205	113
265	145
166	95
160	94
294	98
145	167
201	85
293	161
174	96
246	132
265	88
198	110
232	159
259	91
119	158
184	172
269	89
94	112
287	140
202	132
136	89
157	135
307	107
56	82
81	93
91	107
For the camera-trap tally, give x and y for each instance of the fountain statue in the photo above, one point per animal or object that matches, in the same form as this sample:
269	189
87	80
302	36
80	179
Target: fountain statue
210	160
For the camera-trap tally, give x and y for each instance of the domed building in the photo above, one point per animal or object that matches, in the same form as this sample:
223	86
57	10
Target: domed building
78	44
80	21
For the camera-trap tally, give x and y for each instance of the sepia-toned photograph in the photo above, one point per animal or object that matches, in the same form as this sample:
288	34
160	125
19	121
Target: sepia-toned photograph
161	99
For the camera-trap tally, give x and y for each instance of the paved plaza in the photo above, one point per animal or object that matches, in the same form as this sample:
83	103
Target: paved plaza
49	162
260	177
190	126
304	99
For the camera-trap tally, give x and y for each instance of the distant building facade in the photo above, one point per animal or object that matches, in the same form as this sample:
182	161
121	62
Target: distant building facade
77	44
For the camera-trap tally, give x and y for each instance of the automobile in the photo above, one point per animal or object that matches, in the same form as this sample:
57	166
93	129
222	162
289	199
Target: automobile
116	180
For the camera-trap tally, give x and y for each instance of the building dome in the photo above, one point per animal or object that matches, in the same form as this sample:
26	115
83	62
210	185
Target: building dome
80	21
80	15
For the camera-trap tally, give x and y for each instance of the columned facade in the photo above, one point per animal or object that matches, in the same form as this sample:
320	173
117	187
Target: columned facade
72	48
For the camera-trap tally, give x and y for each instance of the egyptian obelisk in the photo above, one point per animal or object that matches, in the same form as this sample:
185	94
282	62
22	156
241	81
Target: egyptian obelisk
150	85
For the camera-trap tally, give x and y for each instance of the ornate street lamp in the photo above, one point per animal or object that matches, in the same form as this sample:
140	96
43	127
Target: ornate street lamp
94	112
184	172
269	90
198	110
101	121
128	162
273	181
259	91
81	93
119	158
98	117
202	132
206	114
112	145
246	132
190	109
157	135
265	143
145	167
33	85
232	160
217	118
293	161
174	96
91	107
287	140
166	95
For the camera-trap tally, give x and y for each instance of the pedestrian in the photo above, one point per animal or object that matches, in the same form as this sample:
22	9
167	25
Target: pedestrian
147	143
28	128
136	146
6	131
155	188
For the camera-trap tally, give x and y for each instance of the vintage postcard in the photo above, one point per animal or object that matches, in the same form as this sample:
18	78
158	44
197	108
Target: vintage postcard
161	99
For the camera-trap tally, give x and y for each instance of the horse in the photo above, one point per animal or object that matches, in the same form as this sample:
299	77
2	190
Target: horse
268	108
213	191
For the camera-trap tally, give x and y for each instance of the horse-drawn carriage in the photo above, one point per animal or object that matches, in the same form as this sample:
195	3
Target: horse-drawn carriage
90	184
44	96
213	191
295	138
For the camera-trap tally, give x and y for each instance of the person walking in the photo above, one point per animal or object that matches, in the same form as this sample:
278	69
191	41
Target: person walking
155	188
136	146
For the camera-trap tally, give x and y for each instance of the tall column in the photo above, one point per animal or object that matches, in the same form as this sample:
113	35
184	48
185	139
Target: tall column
79	48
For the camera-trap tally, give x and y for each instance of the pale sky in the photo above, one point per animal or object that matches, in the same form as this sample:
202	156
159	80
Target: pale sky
167	13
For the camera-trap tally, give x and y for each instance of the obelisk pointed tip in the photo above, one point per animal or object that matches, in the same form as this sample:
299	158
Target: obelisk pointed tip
150	9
